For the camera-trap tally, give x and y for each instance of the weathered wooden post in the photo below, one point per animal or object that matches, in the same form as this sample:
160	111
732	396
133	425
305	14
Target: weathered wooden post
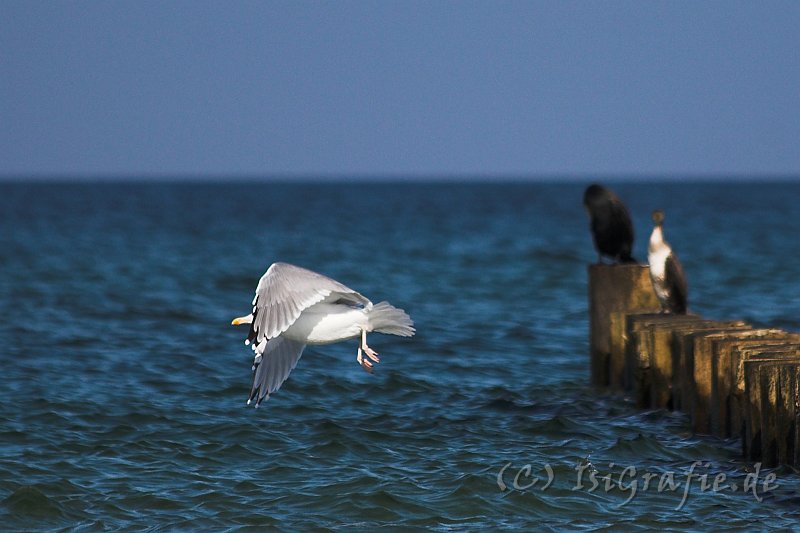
683	380
648	355
695	384
677	375
703	371
662	356
725	369
778	411
786	412
746	359
615	291
754	402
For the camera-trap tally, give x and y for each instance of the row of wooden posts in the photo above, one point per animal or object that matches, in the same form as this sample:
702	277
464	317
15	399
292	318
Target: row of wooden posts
732	380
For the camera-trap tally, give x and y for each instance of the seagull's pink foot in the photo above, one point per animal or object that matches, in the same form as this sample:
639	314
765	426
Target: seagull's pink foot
371	354
365	364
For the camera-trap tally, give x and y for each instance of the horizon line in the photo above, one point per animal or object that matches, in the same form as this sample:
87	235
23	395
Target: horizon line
394	177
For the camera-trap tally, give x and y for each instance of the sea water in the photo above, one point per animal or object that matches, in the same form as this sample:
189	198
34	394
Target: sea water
123	384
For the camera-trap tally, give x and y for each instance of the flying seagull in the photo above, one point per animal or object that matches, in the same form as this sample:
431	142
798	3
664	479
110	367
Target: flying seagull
666	271
294	307
612	230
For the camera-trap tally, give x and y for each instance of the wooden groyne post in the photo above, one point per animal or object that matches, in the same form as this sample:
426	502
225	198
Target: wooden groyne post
615	291
730	378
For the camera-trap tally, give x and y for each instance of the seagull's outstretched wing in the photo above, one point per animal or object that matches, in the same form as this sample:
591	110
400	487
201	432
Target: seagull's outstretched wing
284	291
272	367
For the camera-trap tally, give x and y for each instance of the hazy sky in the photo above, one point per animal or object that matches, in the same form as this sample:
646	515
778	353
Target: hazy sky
377	87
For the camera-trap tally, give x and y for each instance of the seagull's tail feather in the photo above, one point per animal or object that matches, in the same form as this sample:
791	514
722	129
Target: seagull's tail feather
386	318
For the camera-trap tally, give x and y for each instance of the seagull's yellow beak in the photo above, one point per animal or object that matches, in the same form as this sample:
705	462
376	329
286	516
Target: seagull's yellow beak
242	320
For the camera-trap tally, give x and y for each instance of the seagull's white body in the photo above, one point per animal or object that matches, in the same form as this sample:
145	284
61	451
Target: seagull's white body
326	323
294	307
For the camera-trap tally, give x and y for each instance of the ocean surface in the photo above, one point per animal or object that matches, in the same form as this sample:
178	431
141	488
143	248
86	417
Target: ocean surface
123	384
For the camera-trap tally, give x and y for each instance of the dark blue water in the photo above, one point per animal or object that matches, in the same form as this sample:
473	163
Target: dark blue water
123	386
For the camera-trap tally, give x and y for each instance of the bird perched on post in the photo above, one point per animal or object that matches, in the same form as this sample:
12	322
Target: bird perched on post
294	307
612	229
666	271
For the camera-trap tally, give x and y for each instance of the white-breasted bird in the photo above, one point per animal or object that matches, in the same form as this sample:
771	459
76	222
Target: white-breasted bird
294	307
666	271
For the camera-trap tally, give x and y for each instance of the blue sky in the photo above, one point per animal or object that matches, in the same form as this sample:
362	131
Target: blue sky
383	88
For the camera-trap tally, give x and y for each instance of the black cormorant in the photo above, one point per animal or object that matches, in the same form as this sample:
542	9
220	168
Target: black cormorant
612	229
666	271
